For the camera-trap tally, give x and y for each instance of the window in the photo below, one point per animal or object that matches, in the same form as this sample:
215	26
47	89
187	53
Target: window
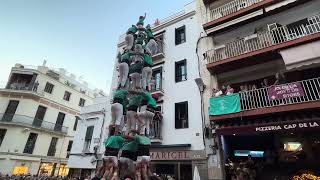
2	135
31	142
81	102
48	88
59	122
180	35
181	115
88	137
69	148
181	71
76	123
157	74
10	111
66	95
52	147
38	119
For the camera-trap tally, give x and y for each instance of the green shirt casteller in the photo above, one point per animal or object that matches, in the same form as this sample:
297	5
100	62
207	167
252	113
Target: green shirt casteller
135	68
133	29
149	33
115	142
147	59
135	100
126	57
152	102
120	94
143	140
131	146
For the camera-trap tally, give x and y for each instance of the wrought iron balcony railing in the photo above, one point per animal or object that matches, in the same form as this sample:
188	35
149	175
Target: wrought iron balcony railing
309	91
274	36
32	122
230	8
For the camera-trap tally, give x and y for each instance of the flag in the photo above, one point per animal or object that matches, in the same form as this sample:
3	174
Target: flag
224	105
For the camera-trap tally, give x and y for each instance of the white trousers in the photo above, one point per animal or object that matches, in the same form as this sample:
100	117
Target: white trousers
136	80
146	77
129	40
116	113
146	117
123	72
131	121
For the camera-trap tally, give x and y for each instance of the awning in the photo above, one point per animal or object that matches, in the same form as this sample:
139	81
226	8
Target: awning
282	122
301	56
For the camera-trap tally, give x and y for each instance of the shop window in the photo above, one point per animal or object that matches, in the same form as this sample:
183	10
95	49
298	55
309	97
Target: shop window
31	142
76	123
10	111
48	88
46	169
88	138
59	122
181	115
181	71
63	170
180	35
81	102
20	170
2	135
67	96
52	147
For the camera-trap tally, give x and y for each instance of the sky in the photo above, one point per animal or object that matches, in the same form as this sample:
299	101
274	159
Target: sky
78	35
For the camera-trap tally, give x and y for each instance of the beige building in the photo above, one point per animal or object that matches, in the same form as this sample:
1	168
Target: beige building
39	110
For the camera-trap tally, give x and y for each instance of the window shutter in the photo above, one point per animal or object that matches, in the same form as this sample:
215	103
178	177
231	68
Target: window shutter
176	116
176	37
186	115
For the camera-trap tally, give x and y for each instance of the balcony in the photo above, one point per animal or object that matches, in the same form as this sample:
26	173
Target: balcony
233	10
158	57
156	88
26	121
155	131
298	95
259	44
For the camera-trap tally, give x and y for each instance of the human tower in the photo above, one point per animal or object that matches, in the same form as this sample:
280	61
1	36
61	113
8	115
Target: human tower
133	106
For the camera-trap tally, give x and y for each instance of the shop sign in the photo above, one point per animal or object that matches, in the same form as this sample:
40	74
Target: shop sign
285	91
291	126
20	170
177	155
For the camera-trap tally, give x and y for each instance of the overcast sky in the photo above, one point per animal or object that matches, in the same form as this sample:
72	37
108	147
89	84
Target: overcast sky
78	35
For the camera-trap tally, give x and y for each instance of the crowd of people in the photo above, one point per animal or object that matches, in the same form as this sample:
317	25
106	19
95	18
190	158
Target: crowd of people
33	177
243	170
229	90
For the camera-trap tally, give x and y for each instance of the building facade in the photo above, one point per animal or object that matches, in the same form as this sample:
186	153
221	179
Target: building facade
88	147
178	145
39	112
265	50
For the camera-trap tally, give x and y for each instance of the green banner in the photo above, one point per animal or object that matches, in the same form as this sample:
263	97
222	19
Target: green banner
224	105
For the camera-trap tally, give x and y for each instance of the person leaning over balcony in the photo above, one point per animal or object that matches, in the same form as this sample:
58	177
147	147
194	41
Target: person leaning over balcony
216	92
229	90
280	78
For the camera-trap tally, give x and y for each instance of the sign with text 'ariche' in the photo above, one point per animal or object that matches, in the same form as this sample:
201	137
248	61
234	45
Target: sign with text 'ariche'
285	91
291	126
177	155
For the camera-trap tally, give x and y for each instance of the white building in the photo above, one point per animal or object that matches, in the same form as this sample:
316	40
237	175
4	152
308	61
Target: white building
39	111
181	145
88	146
